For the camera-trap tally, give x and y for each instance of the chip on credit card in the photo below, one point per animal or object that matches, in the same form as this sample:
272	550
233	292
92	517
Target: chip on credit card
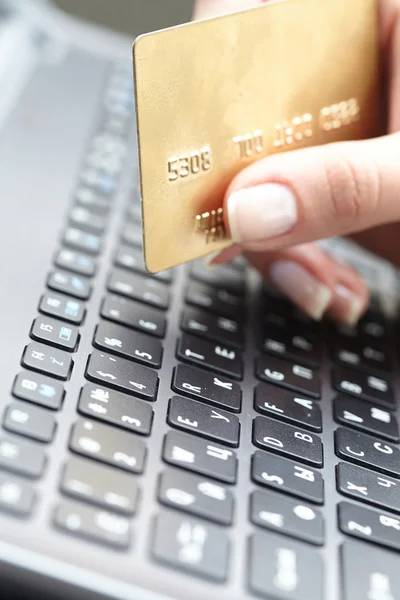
215	95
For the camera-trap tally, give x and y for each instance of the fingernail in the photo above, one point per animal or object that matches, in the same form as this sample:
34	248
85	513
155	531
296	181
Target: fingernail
301	287
347	306
261	212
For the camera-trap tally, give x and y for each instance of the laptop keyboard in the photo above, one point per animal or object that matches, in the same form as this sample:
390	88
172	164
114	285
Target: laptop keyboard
299	371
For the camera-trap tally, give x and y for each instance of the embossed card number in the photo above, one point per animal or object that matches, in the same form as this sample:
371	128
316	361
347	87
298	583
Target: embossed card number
288	134
191	164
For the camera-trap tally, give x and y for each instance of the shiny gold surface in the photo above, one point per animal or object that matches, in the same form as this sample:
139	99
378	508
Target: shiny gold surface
215	95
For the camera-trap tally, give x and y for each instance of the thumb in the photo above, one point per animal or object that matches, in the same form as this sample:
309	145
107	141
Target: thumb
320	192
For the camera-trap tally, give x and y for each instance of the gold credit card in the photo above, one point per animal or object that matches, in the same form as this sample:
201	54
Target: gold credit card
214	95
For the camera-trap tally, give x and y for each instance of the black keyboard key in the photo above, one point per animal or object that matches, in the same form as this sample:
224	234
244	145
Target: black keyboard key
85	480
93	524
369	524
30	421
214	424
67	283
287	476
116	408
197	496
47	330
367	451
366	417
143	289
292	376
88	198
82	241
87	220
49	361
217	357
362	385
38	389
221	276
294	347
217	301
212	327
288	441
134	315
122	375
70	260
277	320
207	387
128	344
22	457
369	573
200	456
68	309
132	260
108	444
190	545
358	355
282	569
286	406
280	513
374	327
368	486
16	496
132	235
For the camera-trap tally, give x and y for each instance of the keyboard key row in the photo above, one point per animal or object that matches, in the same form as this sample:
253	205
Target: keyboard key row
367	486
146	290
297	348
287	516
116	409
367	451
108	444
369	524
287	406
122	374
47	360
134	315
286	374
287	476
219	358
197	496
30	421
288	441
212	327
98	484
207	387
92	523
359	414
55	333
39	389
200	456
128	344
284	569
208	422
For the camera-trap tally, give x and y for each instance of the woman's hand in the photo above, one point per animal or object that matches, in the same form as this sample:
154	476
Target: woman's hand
278	206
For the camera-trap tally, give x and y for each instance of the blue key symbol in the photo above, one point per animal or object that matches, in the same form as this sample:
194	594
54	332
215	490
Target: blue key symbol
65	334
77	283
47	391
91	241
72	308
107	183
83	261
